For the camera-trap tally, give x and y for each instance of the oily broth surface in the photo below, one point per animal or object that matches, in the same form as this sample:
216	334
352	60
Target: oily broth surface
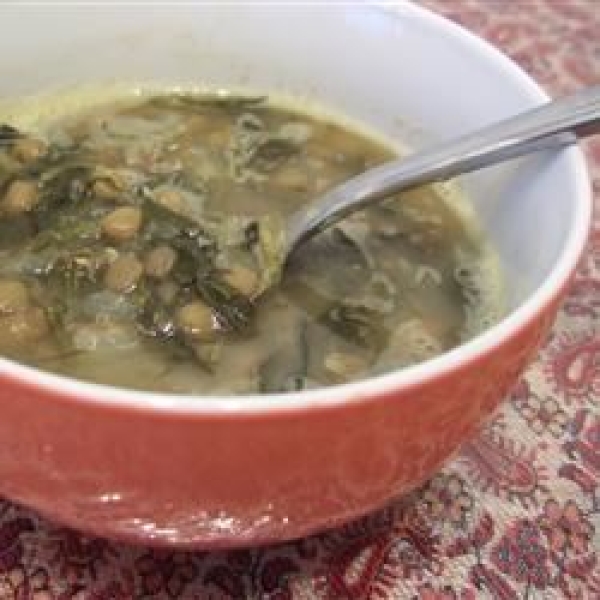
389	287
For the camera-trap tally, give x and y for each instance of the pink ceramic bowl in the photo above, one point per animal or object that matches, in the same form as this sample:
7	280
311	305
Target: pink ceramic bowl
218	472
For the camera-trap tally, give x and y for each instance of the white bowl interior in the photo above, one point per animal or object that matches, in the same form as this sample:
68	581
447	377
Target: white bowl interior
398	70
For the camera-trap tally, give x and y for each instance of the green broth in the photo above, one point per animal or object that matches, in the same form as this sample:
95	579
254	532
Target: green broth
139	238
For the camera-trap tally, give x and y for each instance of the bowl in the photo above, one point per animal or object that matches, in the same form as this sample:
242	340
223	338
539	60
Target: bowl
233	471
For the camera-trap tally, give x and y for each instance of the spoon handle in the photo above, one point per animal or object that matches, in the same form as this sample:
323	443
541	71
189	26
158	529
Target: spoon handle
552	125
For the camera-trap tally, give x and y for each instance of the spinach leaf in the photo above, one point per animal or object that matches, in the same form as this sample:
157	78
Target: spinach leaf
356	324
8	135
234	311
272	152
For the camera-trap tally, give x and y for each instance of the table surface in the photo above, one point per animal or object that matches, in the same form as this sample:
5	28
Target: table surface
516	515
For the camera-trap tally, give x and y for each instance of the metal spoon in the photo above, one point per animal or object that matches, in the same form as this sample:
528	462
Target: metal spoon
553	125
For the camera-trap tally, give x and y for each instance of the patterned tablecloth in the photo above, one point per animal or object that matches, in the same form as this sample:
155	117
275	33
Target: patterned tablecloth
516	515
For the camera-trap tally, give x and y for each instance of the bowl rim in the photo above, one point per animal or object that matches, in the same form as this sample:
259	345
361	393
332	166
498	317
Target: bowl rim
395	382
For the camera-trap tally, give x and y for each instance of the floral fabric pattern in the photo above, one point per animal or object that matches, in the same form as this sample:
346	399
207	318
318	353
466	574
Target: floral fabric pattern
515	516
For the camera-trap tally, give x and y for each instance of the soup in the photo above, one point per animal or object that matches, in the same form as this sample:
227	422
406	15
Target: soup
140	247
